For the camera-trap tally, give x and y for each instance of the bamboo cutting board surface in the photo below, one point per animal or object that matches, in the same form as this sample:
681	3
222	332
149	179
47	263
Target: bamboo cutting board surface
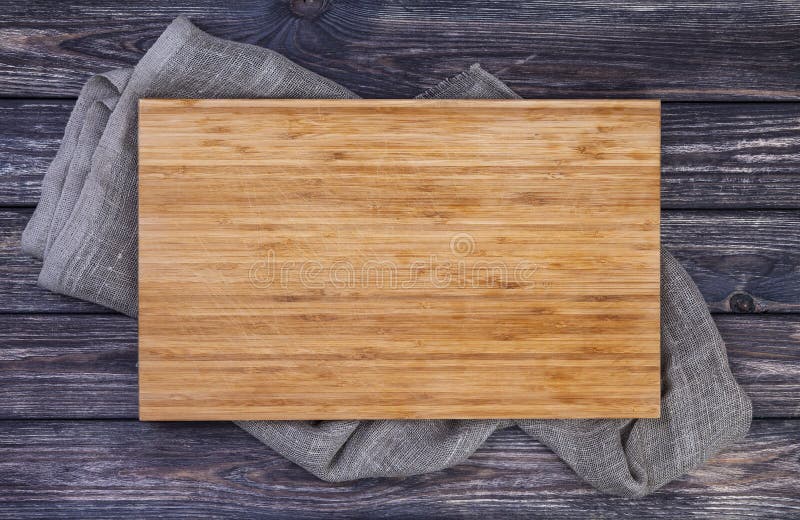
363	259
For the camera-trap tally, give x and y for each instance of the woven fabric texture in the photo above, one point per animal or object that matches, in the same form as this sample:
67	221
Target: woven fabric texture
86	123
85	229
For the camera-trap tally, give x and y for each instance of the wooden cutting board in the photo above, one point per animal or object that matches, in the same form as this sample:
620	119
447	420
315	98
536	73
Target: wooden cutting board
310	259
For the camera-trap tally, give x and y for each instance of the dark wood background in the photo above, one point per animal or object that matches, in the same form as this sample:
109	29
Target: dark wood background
729	74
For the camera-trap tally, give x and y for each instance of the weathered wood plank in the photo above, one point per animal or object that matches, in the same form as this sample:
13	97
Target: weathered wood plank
30	134
730	155
18	274
764	354
714	155
68	366
743	261
93	469
674	50
84	366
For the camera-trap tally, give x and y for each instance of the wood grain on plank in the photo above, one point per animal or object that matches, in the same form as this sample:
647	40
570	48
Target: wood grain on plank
68	366
19	272
730	155
713	155
384	259
742	261
764	354
30	134
72	366
101	469
720	50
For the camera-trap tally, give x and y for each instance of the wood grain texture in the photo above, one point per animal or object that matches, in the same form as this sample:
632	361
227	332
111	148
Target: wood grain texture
58	366
764	355
30	134
713	155
68	366
742	261
19	272
103	469
730	155
398	259
711	50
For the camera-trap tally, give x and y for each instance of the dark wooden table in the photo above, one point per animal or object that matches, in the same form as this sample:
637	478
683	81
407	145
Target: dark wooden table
729	74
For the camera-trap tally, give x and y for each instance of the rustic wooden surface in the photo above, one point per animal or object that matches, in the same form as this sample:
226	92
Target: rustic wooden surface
730	188
398	190
708	50
124	469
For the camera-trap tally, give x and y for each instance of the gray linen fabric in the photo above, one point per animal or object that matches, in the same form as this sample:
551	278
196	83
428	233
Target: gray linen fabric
85	226
88	117
94	125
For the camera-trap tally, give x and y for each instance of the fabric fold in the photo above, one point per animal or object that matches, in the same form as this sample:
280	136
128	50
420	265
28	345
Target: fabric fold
95	122
85	227
99	88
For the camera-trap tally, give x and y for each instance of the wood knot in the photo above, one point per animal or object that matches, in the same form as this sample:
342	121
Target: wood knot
309	9
741	302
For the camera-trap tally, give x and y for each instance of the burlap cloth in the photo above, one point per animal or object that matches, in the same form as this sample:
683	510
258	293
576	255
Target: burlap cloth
85	230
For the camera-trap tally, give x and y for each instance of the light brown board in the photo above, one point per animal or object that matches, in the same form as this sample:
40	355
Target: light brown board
309	259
